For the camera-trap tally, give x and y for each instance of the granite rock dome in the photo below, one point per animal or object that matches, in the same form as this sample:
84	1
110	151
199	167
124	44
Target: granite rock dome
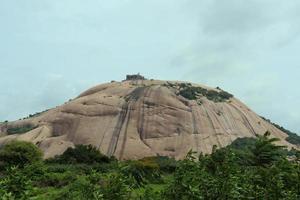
139	118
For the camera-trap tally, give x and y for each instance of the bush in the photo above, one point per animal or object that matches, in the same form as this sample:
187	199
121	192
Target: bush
191	92
80	189
110	186
188	93
35	171
225	95
21	129
165	163
214	96
243	143
113	187
292	138
87	154
15	185
150	194
20	153
142	171
56	179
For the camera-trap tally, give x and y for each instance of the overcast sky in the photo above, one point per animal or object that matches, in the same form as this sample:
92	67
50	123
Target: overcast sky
52	50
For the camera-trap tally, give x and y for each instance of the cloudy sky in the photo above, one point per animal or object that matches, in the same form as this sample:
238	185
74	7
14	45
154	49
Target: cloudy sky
52	50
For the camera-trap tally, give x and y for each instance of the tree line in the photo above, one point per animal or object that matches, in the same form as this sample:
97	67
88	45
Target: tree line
249	168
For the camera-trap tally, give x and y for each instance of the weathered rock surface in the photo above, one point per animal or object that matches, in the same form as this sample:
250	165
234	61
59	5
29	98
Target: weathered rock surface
134	119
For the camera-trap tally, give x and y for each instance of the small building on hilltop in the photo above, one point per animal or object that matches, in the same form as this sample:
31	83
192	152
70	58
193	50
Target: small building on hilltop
134	77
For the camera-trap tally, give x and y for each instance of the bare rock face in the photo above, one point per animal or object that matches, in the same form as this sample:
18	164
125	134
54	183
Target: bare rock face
139	118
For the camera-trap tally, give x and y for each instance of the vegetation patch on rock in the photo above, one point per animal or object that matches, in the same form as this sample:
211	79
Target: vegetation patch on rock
36	114
292	138
194	92
20	129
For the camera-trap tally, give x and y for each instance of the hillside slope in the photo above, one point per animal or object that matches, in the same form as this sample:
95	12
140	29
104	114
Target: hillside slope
138	118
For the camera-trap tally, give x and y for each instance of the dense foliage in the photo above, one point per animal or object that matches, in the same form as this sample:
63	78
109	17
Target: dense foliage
247	169
87	154
19	153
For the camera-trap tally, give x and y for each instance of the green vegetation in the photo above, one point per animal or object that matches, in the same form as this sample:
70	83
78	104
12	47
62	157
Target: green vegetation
192	92
249	168
36	114
20	129
80	154
19	153
292	138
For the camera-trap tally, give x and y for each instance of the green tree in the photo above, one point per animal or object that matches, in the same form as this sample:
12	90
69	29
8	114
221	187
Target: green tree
19	153
15	185
265	152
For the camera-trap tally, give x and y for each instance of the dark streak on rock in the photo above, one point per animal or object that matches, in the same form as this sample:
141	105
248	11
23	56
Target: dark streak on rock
124	114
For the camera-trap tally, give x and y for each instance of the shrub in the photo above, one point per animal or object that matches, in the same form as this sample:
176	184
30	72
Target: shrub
110	186
191	92
165	163
141	171
15	185
36	114
21	129
87	154
58	168
225	95
150	194
56	179
35	171
20	153
80	189
213	96
113	187
292	138
243	143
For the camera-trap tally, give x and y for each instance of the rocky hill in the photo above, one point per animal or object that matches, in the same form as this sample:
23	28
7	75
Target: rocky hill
136	118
